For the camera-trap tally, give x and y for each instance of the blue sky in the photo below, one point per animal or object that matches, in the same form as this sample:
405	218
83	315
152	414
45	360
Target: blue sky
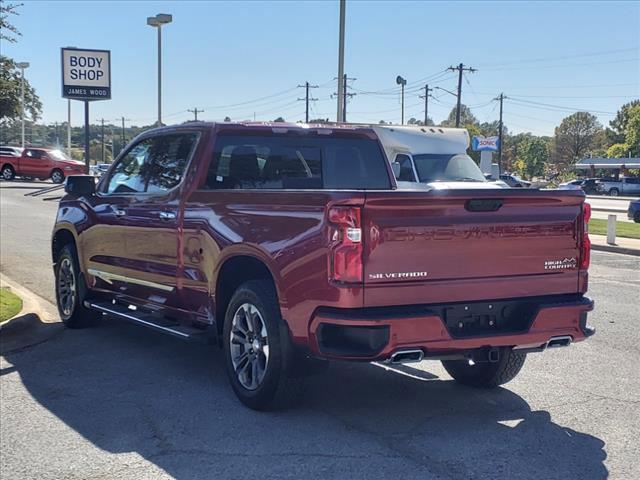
550	58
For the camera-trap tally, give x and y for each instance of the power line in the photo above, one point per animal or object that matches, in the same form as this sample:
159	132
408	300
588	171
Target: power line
563	57
460	68
306	99
195	112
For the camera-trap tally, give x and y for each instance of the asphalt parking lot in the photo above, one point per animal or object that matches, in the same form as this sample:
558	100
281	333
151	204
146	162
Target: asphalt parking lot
119	401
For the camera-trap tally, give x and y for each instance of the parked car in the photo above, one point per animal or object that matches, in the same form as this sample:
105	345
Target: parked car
39	163
590	186
286	244
11	151
514	181
99	169
623	186
633	213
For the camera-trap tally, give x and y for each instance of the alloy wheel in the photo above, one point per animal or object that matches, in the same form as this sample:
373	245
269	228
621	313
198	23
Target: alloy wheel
249	346
66	287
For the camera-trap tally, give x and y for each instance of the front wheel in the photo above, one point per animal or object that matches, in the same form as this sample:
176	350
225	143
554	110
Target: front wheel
57	176
257	348
636	217
614	192
487	374
69	290
8	173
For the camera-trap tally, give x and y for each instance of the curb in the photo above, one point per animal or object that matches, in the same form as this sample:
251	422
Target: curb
37	322
610	210
616	249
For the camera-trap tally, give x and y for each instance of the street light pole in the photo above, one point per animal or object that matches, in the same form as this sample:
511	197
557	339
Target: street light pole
22	66
157	22
402	82
341	81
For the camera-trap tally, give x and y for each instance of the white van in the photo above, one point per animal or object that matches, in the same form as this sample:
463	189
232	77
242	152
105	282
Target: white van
432	156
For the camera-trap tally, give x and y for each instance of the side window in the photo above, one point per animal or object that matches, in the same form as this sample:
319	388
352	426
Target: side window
264	163
406	169
128	175
34	153
168	160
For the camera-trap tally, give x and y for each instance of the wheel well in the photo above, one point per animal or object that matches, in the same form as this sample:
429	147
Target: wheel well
235	272
7	165
60	239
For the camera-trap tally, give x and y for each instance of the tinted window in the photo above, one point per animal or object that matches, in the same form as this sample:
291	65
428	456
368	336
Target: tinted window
634	181
449	168
155	164
406	169
168	157
276	162
128	175
34	153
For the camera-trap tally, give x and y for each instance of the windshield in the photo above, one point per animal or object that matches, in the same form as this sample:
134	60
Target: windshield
58	155
447	168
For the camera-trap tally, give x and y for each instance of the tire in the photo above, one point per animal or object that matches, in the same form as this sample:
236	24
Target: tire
259	376
613	192
8	173
636	217
57	176
487	374
70	291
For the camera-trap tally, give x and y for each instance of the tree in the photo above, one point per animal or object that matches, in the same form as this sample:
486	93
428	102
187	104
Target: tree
415	121
617	132
617	150
466	117
533	155
227	119
8	32
575	136
279	120
632	130
10	100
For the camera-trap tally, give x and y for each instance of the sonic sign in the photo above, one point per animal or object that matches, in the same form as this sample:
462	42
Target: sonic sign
86	74
487	144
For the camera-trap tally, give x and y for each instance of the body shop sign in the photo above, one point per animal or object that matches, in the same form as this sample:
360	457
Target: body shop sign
86	74
490	144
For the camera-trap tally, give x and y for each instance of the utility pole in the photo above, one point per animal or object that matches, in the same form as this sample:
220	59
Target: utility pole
344	95
341	82
69	127
500	128
102	137
426	102
460	68
124	140
306	99
22	66
195	112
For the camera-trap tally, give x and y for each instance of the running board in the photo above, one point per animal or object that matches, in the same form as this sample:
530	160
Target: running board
148	320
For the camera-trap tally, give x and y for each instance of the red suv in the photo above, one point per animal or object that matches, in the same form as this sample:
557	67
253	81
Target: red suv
40	163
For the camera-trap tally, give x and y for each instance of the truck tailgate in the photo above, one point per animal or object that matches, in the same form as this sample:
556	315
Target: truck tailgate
426	247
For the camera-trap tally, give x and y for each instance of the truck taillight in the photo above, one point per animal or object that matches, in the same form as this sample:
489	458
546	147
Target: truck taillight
345	259
585	245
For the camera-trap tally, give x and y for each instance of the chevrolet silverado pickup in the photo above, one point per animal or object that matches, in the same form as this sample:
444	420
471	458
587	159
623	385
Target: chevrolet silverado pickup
287	244
39	163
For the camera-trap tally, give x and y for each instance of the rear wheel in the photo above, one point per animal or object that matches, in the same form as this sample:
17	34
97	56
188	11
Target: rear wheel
636	217
257	349
487	374
7	172
57	176
70	292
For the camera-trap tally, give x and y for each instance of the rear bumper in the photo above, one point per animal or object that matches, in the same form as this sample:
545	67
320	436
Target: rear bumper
376	333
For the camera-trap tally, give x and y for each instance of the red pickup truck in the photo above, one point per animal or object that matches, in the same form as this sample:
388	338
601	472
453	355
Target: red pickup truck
40	163
286	243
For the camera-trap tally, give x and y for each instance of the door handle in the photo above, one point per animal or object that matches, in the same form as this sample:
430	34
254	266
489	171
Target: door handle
119	212
167	215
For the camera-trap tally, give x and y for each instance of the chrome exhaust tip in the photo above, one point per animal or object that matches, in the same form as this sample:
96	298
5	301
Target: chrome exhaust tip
406	356
561	341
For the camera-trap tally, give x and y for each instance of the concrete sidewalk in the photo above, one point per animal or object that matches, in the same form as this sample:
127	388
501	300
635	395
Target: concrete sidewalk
628	246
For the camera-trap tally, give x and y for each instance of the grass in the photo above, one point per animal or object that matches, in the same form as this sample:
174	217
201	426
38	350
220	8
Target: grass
10	304
598	226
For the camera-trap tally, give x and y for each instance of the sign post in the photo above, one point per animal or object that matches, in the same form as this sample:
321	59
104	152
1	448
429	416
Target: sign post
486	146
86	76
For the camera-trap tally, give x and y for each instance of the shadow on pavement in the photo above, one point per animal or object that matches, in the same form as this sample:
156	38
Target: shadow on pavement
127	389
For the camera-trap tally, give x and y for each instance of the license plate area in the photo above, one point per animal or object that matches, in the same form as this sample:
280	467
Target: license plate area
488	318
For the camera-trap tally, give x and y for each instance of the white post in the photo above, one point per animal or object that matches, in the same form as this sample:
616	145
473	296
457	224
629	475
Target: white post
159	75
341	85
22	104
611	230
